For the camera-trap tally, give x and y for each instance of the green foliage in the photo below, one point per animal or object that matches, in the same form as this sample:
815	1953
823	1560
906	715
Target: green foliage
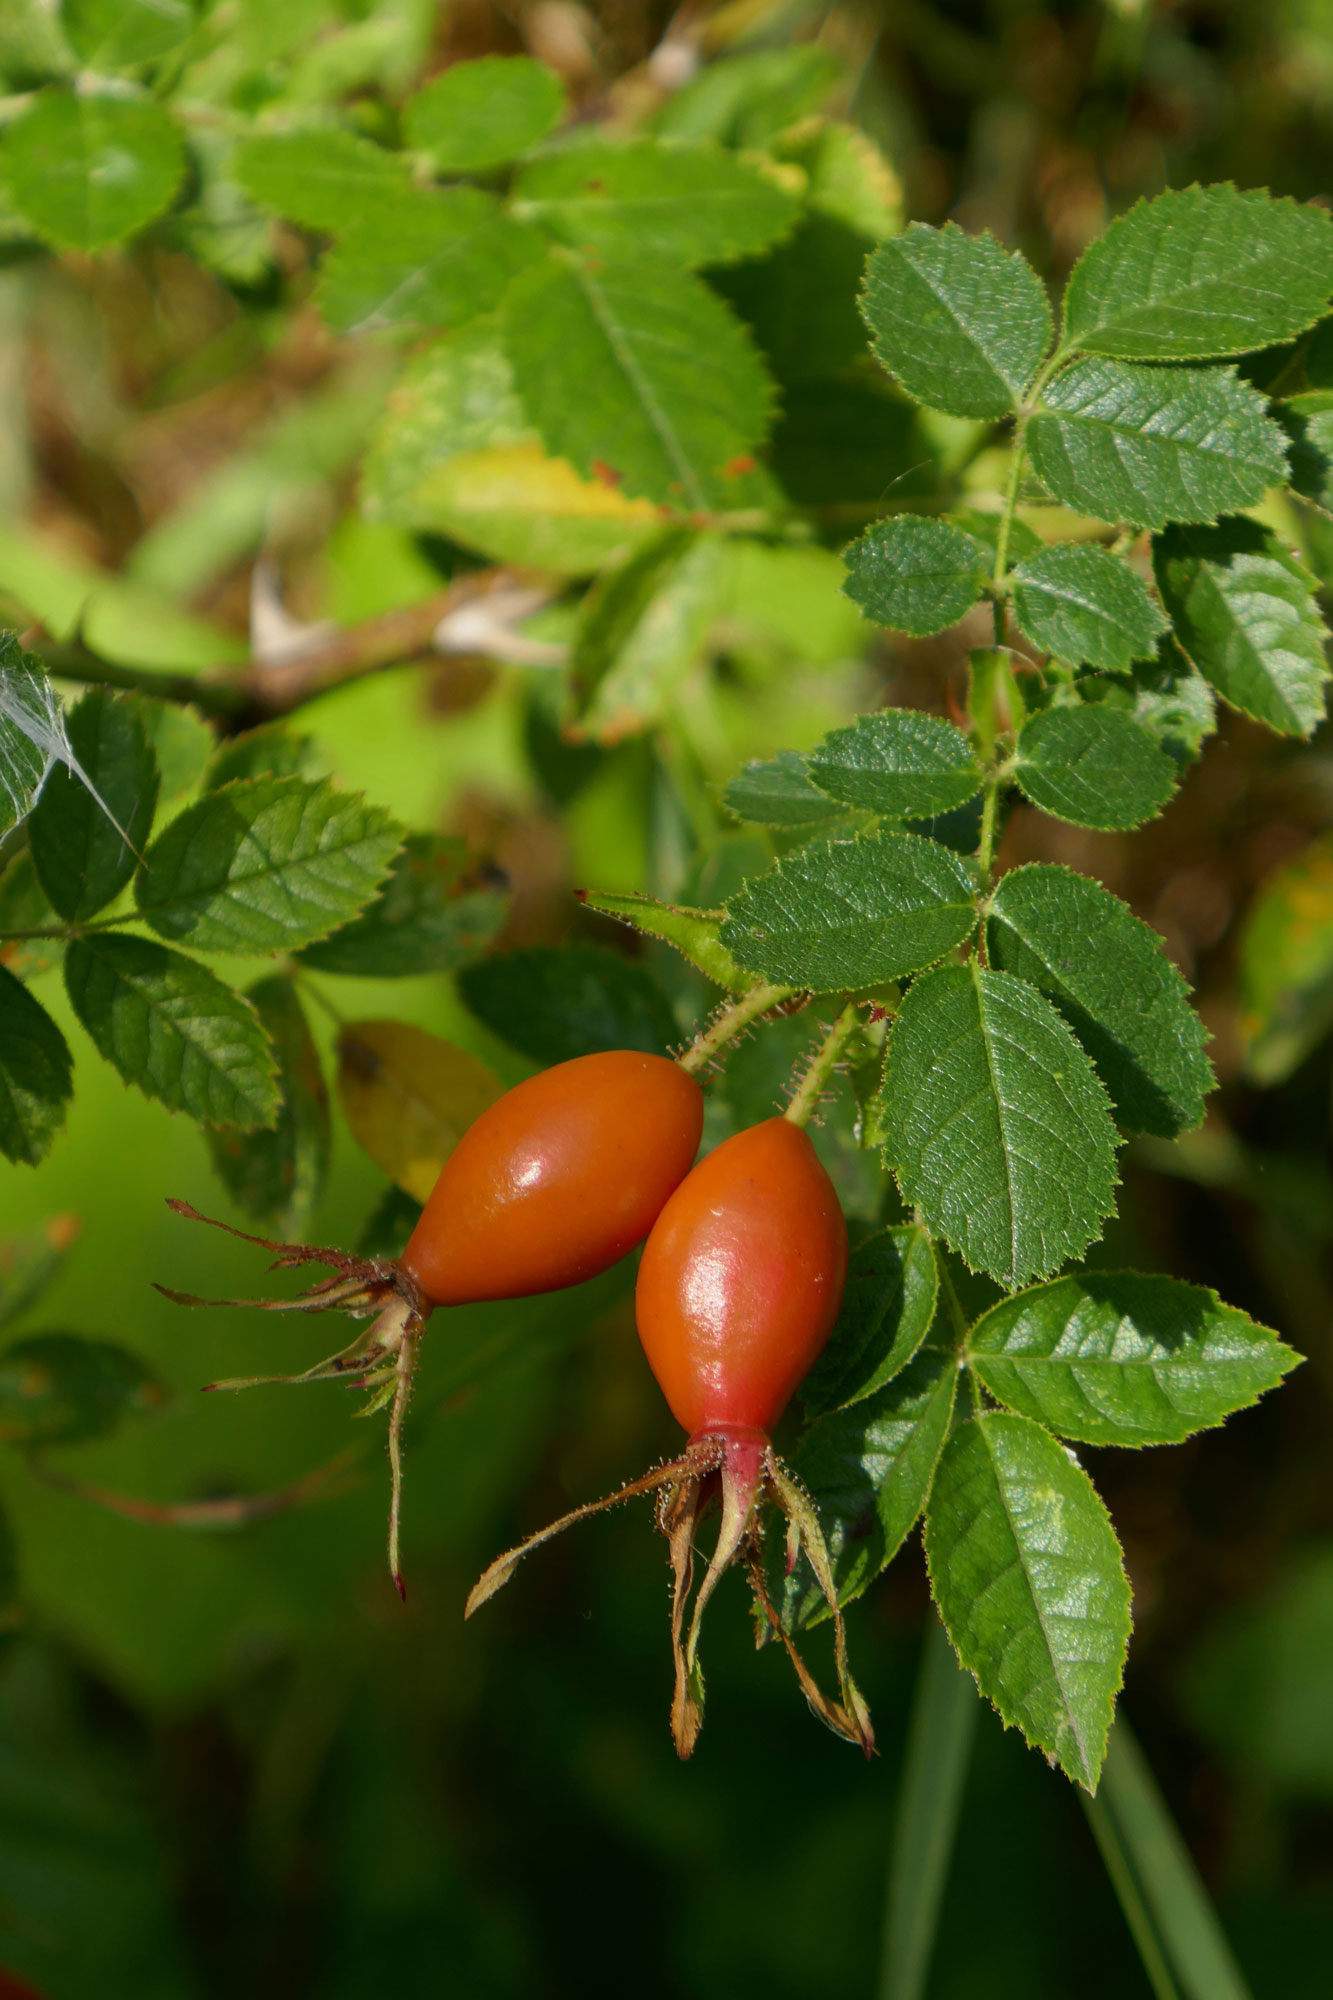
326	179
1107	973
1026	1571
691	204
779	792
85	847
839	914
962	323
35	1074
1121	1358
915	575
996	1124
553	1005
887	1311
1197	273
480	114
424	260
172	1029
425	918
32	731
641	630
640	376
124	34
264	864
1286	965
1244	610
84	172
1082	604
1093	765
59	1388
277	1177
899	763
1152	445
30	1262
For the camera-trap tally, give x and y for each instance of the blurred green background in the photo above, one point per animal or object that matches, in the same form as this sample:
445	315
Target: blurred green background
234	1765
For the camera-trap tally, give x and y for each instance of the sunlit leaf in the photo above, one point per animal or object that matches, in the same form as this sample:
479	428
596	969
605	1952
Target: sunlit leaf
86	171
1086	606
915	575
480	114
434	260
897	762
325	179
1093	765
687	204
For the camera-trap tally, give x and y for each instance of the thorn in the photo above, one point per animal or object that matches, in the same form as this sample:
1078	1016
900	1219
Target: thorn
400	1586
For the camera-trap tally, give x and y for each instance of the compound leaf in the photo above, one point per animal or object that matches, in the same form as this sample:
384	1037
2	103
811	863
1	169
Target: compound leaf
276	1177
687	205
640	376
1110	977
898	762
87	171
1245	612
841	914
1200	271
1027	1573
1152	445
1093	765
173	1030
480	114
1120	1357
915	575
961	322
83	859
265	864
36	1080
995	1123
1086	606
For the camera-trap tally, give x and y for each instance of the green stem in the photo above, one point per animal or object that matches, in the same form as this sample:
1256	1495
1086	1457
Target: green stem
939	1744
990	811
1186	1940
1117	1866
732	1021
824	1062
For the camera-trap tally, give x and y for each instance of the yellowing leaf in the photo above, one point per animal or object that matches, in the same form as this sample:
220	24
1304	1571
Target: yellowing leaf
408	1097
515	504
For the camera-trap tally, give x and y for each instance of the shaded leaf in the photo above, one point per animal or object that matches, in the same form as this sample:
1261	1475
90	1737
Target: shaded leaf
86	171
172	1029
1093	765
1244	610
778	792
273	750
915	575
83	859
60	1388
1119	1357
276	1177
696	934
265	864
180	740
639	375
687	204
29	1262
480	114
898	762
1151	445
848	178
427	260
995	1123
556	1003
1087	606
23	907
408	1097
423	920
961	322
1028	1577
887	1309
1200	271
325	179
36	1081
842	914
389	1225
746	100
1109	975
1170	698
868	1470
